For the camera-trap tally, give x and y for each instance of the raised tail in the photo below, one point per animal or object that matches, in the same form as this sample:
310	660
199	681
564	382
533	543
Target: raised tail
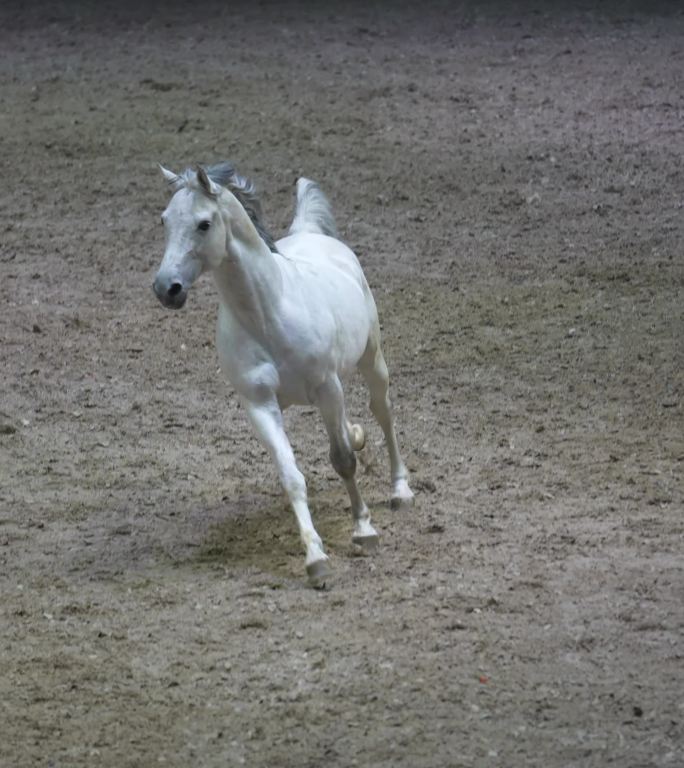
313	212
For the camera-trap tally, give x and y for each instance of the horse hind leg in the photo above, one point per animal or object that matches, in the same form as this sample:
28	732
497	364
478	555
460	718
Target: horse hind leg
374	370
357	437
344	439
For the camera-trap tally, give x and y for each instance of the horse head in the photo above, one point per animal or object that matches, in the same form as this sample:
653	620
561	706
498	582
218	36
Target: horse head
195	234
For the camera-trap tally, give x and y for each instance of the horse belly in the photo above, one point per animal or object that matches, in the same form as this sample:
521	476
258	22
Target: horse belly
332	296
339	323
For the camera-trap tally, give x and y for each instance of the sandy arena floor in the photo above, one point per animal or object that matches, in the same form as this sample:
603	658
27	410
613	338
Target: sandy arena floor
512	183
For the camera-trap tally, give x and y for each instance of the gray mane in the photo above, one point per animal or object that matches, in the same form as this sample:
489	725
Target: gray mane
244	190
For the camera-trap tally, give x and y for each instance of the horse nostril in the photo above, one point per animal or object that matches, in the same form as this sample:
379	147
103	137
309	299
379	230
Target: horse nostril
175	289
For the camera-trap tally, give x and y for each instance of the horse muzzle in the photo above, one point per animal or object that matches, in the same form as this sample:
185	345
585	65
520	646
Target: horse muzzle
171	293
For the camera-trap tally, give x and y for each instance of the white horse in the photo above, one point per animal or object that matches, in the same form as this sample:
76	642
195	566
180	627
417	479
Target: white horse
294	317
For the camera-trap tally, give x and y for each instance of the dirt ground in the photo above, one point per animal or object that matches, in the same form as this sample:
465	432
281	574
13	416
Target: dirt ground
511	178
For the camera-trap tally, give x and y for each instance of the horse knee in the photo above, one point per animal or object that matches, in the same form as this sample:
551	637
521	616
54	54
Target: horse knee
293	482
343	461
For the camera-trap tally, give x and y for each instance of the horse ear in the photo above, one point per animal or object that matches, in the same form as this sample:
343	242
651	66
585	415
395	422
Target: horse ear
173	179
210	187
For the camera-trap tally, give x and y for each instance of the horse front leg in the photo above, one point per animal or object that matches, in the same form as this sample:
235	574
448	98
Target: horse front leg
267	419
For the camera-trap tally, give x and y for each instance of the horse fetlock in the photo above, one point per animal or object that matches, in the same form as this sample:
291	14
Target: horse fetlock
402	495
314	547
364	535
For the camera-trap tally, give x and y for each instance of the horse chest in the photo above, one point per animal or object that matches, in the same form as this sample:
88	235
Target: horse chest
254	362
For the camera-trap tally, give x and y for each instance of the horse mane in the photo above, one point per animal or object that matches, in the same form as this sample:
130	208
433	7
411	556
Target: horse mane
224	173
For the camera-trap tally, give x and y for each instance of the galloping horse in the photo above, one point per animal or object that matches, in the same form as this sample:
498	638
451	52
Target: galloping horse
294	317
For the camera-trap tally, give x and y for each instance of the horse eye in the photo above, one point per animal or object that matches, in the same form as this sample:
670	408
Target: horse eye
203	226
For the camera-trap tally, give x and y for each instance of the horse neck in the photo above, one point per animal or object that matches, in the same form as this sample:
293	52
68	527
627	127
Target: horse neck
248	278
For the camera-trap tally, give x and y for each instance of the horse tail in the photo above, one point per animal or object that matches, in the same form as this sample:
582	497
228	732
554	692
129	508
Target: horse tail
312	212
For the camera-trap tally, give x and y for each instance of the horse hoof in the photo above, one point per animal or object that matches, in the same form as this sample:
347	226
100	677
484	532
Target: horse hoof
402	502
319	573
357	437
367	543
